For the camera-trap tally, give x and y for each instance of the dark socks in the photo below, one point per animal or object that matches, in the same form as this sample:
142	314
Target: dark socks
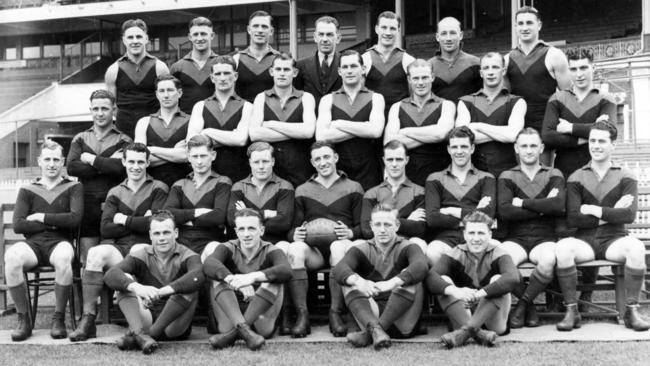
484	311
92	284
536	284
131	309
228	303
19	295
336	295
398	304
633	282
261	302
457	314
174	307
61	295
568	279
298	287
359	305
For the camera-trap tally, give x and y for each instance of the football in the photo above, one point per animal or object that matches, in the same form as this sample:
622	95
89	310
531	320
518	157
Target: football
320	233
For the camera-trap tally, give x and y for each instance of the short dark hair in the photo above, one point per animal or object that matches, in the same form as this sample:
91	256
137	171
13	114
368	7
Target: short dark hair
528	131
394	145
390	15
225	59
461	132
285	56
352	53
528	10
318	144
130	23
50	144
493	54
102	94
162	215
199	22
260	13
606	126
579	54
478	217
419	62
198	141
327	19
248	212
166	77
259	146
137	147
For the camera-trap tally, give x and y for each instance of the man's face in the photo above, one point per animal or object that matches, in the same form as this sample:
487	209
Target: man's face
324	161
102	110
420	79
135	40
51	163
449	36
492	71
460	149
168	94
201	159
601	145
136	164
283	73
163	235
201	37
261	163
223	76
395	161
527	26
351	70
529	148
260	30
477	236
387	31
384	226
326	37
582	73
249	231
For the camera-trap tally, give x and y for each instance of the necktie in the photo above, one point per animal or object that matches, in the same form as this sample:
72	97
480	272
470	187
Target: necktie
324	67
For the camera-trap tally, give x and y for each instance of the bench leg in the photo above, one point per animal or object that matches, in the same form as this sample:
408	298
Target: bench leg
620	291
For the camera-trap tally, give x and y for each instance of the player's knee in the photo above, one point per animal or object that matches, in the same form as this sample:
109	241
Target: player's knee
14	258
96	257
495	278
273	288
340	246
208	250
137	247
283	246
61	261
564	250
419	242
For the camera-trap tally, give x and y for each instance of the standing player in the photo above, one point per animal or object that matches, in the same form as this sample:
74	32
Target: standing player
495	116
477	275
353	118
256	270
194	69
224	117
47	213
132	77
531	198
157	287
198	201
422	123
124	229
386	270
451	194
164	132
329	194
318	75
601	199
385	63
286	118
456	72
535	70
254	62
95	158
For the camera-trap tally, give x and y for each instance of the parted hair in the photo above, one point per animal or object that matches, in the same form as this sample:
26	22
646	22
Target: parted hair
225	59
528	131
102	94
390	15
327	19
249	212
50	144
259	146
284	56
528	10
318	144
137	147
478	217
606	126
394	145
162	215
200	21
579	54
461	132
419	63
165	77
353	53
260	13
384	207
198	141
130	23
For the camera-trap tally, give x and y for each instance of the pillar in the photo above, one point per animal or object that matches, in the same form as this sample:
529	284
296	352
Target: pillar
293	28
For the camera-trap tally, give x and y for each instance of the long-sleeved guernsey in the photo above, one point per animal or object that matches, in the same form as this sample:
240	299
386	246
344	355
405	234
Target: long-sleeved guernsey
342	201
537	214
182	272
185	197
457	78
585	188
228	258
469	270
62	206
121	199
569	155
167	135
444	190
401	259
277	195
195	81
408	198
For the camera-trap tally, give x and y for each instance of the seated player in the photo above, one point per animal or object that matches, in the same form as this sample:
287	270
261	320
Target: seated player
47	213
405	196
199	201
332	195
157	287
422	123
531	198
164	133
286	117
476	275
451	194
601	199
386	270
247	270
124	229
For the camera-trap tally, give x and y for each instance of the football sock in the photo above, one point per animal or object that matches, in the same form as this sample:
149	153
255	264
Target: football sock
568	279
61	295
336	295
536	284
262	301
633	282
92	283
19	295
484	311
130	307
399	302
457	314
175	306
359	305
298	287
227	302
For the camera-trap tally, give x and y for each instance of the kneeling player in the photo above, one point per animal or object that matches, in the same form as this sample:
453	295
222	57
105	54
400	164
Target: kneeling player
601	199
158	287
252	270
382	273
531	197
478	275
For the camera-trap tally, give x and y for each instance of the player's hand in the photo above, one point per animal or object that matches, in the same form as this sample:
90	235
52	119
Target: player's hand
146	293
517	202
241	280
247	292
602	117
417	215
300	233
239	205
478	295
463	294
385	286
553	193
38	217
88	158
366	287
201	211
484	202
165	291
342	231
582	141
564	126
148	213
592	210
452	211
268	214
120	219
625	201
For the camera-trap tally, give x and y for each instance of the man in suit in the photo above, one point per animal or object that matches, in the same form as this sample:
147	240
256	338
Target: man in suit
318	74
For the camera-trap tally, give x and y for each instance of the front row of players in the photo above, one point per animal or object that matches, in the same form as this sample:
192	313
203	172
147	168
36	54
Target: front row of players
600	199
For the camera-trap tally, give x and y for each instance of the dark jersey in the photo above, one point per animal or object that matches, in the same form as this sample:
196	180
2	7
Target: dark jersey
135	91
388	78
456	79
228	258
253	75
166	135
195	81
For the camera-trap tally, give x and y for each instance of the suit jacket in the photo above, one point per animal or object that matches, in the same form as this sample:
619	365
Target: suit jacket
308	78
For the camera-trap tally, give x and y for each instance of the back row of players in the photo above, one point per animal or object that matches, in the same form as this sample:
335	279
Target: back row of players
421	142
